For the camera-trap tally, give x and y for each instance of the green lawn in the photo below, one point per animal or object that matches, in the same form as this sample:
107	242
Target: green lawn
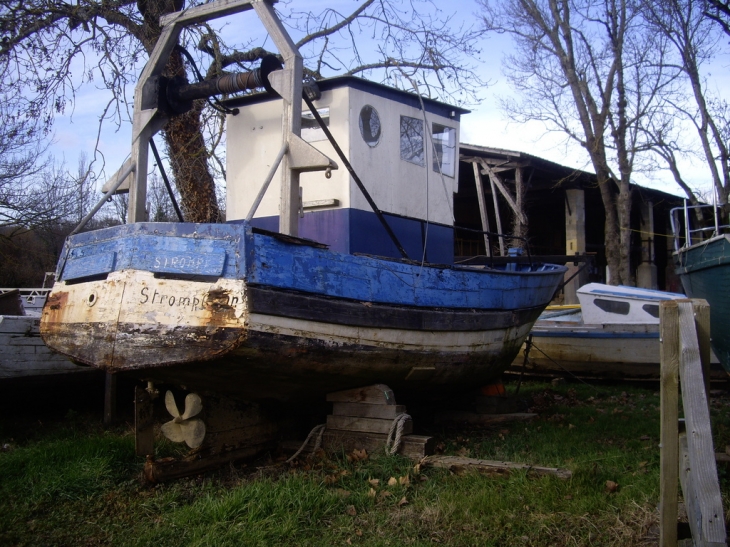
69	482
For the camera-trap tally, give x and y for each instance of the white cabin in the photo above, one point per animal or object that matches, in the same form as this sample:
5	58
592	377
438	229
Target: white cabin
409	169
606	304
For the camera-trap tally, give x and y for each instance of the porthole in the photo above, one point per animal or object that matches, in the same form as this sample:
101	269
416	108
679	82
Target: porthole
370	125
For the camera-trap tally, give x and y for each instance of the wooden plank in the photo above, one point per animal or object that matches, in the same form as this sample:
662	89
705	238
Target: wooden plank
366	410
482	419
366	425
165	469
702	322
482	207
415	447
703	470
456	463
378	394
144	430
669	414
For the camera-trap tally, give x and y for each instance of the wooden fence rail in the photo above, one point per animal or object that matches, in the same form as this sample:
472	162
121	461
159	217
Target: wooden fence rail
688	455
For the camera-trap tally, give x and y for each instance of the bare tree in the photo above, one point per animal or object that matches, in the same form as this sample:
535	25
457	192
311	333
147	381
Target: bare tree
43	42
589	69
687	27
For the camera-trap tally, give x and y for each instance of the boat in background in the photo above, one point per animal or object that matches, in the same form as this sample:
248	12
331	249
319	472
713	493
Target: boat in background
22	351
702	260
612	334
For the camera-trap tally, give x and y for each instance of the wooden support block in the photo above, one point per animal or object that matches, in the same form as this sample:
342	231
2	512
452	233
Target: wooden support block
144	432
453	416
378	394
367	410
457	463
365	425
415	447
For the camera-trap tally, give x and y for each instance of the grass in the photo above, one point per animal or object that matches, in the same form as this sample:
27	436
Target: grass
69	482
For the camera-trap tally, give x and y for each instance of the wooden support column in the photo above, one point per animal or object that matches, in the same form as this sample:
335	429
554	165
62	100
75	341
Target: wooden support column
520	221
646	273
482	207
575	240
110	399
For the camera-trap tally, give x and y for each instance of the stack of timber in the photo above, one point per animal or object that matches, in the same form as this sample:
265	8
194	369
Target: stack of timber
363	418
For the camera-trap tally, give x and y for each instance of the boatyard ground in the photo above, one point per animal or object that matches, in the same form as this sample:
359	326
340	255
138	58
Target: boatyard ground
65	480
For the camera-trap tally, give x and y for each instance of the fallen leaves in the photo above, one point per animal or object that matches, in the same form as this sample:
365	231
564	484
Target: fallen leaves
611	487
357	455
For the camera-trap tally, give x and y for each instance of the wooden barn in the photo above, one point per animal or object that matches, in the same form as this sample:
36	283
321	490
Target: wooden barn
562	214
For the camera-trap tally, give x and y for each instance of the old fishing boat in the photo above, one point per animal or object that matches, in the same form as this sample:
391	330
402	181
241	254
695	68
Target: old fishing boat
296	297
612	334
702	259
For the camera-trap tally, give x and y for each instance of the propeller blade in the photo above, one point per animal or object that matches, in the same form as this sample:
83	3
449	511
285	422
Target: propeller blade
170	405
194	432
173	431
193	405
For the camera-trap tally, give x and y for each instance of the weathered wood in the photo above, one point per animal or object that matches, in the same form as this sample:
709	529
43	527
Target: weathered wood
165	469
703	470
453	416
366	425
702	322
669	414
378	394
144	431
11	303
415	447
366	410
482	207
110	399
456	463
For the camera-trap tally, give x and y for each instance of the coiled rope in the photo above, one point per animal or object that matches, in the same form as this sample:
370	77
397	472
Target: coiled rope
316	430
397	427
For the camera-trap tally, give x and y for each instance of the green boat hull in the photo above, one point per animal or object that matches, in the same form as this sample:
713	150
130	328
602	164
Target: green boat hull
704	269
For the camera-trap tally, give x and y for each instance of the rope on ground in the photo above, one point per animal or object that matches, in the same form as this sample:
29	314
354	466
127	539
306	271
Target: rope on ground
316	430
397	427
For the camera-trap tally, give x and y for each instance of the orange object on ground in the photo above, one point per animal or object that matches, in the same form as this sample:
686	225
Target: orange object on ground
493	389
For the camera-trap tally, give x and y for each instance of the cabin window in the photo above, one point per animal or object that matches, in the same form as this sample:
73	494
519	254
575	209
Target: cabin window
444	144
370	125
411	140
311	130
651	309
612	306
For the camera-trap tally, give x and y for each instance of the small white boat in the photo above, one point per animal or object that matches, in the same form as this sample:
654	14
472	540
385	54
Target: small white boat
612	334
22	351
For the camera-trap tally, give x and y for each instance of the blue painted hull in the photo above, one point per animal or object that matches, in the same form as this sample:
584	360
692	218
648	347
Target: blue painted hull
261	316
704	270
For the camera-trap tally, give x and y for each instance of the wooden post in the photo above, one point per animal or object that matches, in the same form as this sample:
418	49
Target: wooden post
482	207
497	216
144	431
669	414
110	399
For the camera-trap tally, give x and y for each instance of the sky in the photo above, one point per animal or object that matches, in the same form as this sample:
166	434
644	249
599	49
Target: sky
486	125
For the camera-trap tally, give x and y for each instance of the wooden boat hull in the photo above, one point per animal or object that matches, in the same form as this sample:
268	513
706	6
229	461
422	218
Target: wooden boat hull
704	269
293	321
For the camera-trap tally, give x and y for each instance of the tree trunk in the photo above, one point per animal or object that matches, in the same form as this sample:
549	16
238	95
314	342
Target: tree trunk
183	134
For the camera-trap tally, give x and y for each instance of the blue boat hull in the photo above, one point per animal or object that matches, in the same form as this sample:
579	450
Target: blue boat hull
260	316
